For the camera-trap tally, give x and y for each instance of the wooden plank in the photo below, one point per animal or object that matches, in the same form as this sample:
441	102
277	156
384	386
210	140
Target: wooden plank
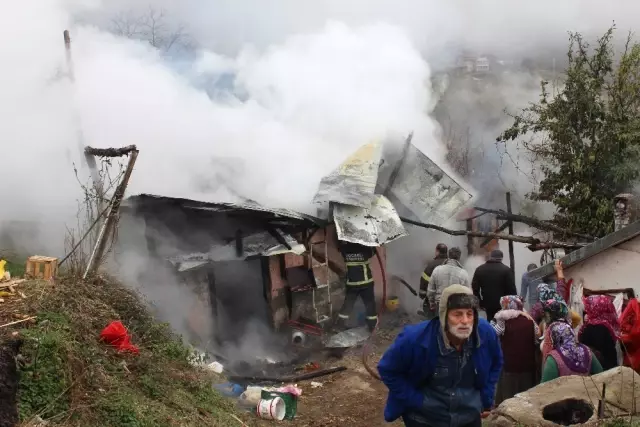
12	283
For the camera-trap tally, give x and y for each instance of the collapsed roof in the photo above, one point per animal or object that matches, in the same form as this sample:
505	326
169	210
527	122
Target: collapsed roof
255	230
368	194
372	189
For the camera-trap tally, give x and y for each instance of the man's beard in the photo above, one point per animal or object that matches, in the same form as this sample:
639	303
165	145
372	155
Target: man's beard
461	332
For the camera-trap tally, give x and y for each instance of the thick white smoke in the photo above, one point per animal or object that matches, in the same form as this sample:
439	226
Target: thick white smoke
306	104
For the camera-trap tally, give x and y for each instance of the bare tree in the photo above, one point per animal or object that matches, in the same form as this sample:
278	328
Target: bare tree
153	27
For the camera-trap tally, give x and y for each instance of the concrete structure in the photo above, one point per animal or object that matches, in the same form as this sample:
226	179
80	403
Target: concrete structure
608	264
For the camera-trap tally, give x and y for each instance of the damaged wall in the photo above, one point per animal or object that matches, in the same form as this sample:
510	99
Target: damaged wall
301	302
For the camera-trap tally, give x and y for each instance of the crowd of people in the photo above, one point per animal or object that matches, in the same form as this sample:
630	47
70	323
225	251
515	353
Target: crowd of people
453	368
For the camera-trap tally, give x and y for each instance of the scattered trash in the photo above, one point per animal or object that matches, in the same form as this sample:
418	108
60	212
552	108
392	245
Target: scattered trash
5	294
298	337
315	384
215	367
116	335
392	303
11	283
309	367
250	397
290	379
289	404
290	389
229	389
272	409
27	319
349	338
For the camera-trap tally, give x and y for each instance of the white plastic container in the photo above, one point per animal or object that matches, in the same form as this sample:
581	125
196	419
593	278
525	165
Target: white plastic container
274	409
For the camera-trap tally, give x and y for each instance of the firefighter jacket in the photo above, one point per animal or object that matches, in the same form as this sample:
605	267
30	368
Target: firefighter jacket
358	261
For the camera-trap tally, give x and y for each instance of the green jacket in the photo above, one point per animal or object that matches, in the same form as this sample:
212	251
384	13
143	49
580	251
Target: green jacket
550	370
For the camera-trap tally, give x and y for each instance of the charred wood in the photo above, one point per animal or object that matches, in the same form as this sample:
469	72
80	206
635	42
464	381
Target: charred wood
110	152
534	222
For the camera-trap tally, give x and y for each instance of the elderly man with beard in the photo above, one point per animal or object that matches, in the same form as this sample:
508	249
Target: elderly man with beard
443	372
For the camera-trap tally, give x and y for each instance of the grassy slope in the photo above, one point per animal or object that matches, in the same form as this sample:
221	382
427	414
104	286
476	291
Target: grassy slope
71	379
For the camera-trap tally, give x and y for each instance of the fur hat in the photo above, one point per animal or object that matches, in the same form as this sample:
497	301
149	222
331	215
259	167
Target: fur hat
457	297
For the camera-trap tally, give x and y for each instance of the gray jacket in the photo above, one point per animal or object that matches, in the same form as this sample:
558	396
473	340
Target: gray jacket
529	287
443	276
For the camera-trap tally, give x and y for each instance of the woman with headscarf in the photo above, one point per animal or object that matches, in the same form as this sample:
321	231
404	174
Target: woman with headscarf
630	334
518	334
546	293
601	329
555	311
567	356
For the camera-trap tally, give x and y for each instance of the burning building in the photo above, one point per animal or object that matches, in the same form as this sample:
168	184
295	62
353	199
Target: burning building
246	261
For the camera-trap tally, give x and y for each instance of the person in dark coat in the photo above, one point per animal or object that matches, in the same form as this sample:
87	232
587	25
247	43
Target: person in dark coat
439	259
601	329
492	281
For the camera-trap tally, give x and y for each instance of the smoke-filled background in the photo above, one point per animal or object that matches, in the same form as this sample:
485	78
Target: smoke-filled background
244	98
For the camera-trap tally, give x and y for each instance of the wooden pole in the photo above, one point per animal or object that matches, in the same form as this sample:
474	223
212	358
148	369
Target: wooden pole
118	195
512	261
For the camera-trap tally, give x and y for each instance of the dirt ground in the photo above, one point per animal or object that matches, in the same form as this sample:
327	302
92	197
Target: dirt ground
349	398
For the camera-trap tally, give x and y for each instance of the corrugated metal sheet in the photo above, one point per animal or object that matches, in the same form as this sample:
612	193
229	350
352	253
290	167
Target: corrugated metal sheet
258	244
354	181
419	189
372	226
223	207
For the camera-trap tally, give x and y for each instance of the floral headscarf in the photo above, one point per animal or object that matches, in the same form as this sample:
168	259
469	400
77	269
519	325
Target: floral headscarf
545	293
576	356
601	311
557	310
511	302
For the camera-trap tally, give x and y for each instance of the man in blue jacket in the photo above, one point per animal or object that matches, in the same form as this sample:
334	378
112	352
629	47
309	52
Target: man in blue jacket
443	372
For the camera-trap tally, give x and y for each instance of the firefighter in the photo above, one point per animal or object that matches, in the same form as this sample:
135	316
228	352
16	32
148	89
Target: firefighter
440	259
359	283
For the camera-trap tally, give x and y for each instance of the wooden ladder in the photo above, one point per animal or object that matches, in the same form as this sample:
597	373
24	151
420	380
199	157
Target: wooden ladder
321	285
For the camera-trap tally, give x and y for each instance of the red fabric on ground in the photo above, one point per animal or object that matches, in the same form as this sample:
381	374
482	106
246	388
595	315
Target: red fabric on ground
116	335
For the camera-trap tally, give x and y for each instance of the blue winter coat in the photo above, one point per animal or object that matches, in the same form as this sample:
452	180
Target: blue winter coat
410	361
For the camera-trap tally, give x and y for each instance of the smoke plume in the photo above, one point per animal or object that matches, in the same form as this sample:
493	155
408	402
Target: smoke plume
240	98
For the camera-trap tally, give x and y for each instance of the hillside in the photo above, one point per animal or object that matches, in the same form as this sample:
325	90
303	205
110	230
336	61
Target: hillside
69	378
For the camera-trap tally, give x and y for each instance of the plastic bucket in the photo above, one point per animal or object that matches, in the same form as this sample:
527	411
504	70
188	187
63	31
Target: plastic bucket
272	409
392	303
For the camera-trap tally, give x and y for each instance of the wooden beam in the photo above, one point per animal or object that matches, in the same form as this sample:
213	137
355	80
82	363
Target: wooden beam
110	152
103	238
521	239
534	222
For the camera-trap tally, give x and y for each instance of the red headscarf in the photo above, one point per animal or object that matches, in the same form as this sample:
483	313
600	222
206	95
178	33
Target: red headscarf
630	334
601	311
